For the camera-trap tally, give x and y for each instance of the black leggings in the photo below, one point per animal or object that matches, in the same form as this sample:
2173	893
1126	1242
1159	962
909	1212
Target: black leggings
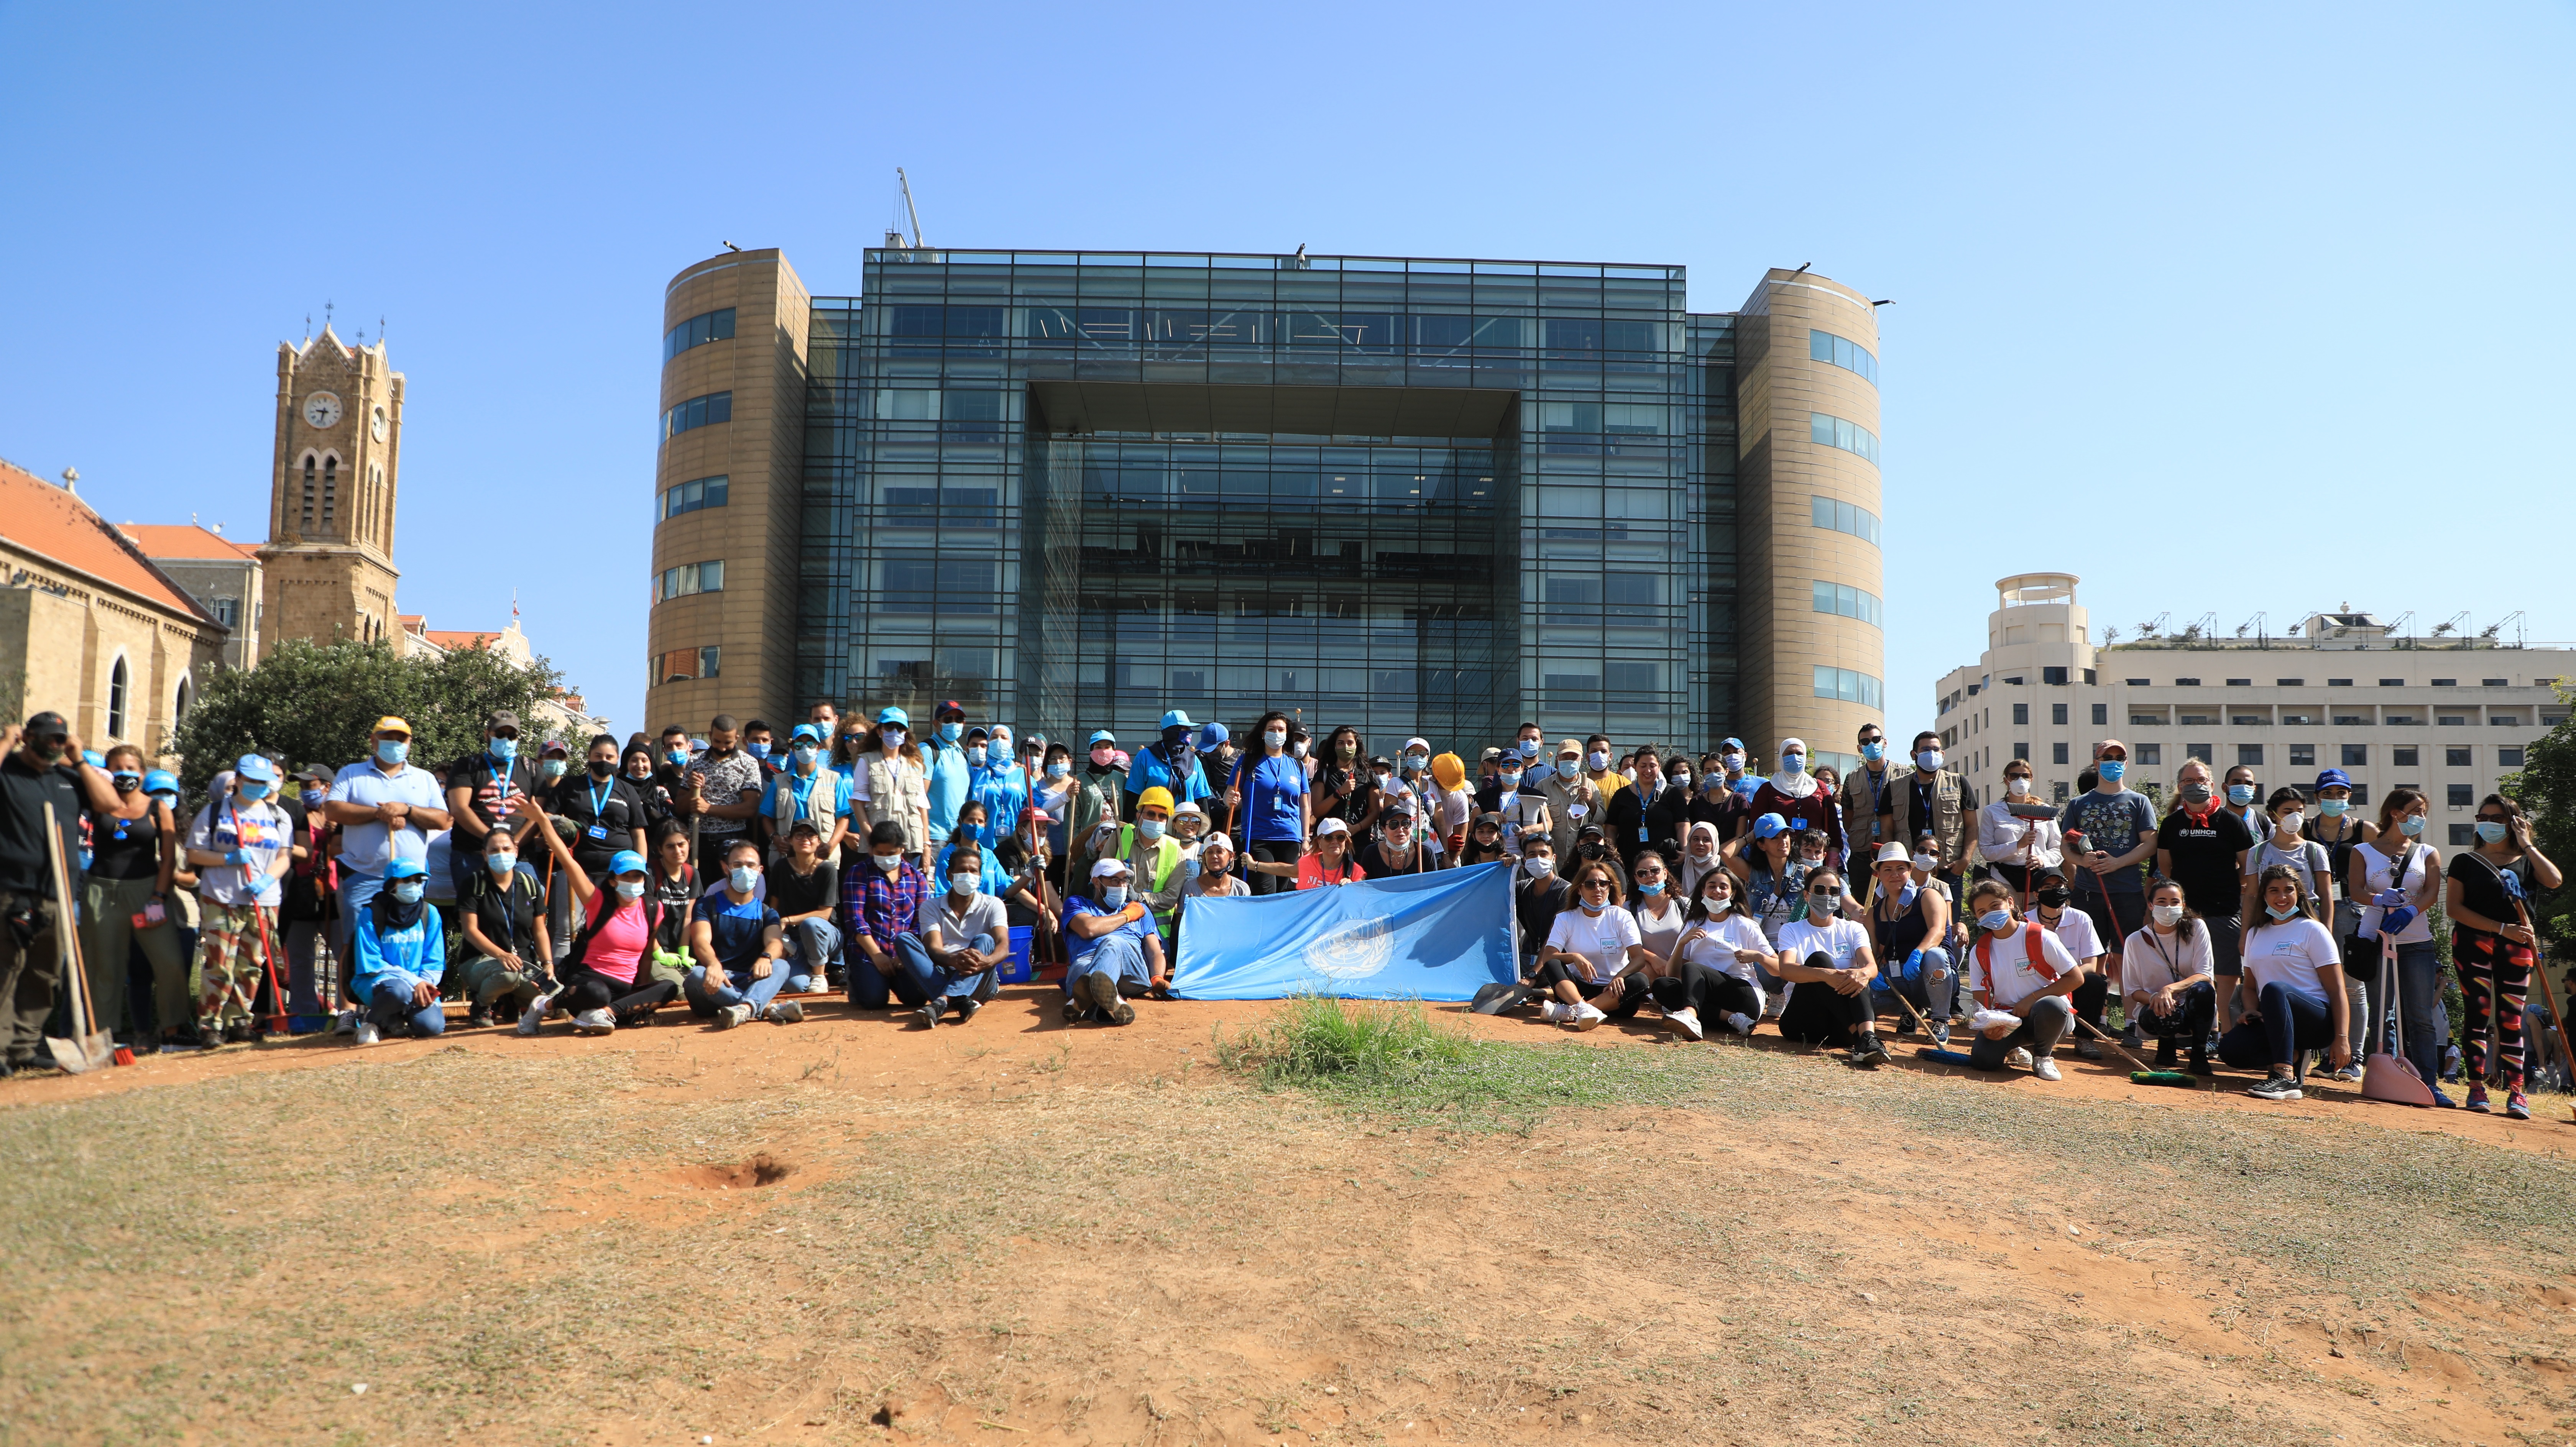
1632	988
1273	851
588	989
2091	996
1710	994
1819	1014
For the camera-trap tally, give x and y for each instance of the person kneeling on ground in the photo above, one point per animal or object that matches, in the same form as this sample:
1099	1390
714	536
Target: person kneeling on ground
2022	970
2292	988
604	982
1829	954
1715	964
504	919
739	948
952	958
1116	950
401	954
2166	970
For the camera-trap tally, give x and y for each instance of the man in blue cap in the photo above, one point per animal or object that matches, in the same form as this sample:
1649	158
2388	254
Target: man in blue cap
1094	799
944	753
1171	762
806	789
399	956
239	846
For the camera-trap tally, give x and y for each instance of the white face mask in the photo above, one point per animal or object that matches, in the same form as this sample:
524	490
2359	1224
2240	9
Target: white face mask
2168	915
1113	896
2016	784
1718	904
1995	919
963	883
2292	821
1383	779
1732	763
631	888
1275	738
1598	760
888	862
1538	864
1926	863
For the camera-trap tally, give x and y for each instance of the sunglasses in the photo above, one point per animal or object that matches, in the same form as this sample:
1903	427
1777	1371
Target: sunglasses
1827	892
1596	882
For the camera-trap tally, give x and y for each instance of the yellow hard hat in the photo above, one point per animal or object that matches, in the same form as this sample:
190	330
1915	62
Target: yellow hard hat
1156	797
1448	770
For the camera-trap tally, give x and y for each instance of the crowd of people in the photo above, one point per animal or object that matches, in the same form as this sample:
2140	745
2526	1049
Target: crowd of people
917	867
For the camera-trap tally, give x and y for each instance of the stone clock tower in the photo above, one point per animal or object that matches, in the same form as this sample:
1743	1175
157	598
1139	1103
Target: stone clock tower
328	565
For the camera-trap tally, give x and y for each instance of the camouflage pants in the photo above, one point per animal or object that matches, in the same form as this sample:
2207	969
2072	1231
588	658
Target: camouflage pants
233	963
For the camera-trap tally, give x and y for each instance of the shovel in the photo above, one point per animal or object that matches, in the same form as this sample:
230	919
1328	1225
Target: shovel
90	1048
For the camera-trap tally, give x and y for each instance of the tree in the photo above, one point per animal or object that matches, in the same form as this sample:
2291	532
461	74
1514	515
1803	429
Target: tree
2546	789
315	705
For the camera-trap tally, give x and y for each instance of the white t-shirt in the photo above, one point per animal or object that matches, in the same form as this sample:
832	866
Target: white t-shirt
2294	955
1659	934
2376	867
1714	942
1836	937
2151	961
1602	940
2075	931
2002	968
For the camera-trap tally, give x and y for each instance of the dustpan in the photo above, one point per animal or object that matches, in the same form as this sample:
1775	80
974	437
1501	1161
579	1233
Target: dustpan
2386	1076
90	1048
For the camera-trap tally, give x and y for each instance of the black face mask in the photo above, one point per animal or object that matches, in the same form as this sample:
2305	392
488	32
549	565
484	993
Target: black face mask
2055	898
1588	851
603	768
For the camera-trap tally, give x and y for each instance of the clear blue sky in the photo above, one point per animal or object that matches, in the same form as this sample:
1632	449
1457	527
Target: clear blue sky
2225	308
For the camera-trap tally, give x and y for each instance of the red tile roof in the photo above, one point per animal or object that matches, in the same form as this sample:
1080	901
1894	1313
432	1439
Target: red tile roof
49	521
186	541
452	639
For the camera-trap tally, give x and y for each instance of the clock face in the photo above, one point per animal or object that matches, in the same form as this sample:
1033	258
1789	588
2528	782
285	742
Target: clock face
322	409
376	424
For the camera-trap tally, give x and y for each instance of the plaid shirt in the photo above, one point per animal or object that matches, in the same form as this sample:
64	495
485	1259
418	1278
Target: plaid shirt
882	905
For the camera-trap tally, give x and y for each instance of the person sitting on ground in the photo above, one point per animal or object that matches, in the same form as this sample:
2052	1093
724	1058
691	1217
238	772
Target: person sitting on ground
1908	923
2074	929
1484	842
1829	954
951	959
1713	976
508	957
2292	990
1659	909
1591	964
881	899
400	955
675	885
1116	950
803	885
606	979
1328	860
1396	844
1539	895
2022	969
2167	980
741	952
1216	878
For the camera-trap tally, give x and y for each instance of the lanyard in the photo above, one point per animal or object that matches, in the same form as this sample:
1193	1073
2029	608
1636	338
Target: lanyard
599	799
2157	941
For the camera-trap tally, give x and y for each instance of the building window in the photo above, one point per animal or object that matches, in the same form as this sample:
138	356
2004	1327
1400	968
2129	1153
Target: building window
2509	757
2461	796
228	612
2356	756
2057	713
1848	685
697	331
2186	683
1845	517
2102	713
2240	683
330	491
2151	756
2021	713
2403	758
186	696
2456	758
680	582
309	493
2360	795
2135	682
1849	355
697	412
2338	683
2449	720
2196	751
2303	756
2021	750
2290	682
120	681
2057	753
2392	683
1829	431
2057	792
2496	682
680	665
2505	720
2464	834
2250	754
1847	601
691	496
2446	683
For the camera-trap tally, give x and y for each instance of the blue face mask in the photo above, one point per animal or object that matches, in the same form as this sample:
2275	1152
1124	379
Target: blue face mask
804	755
975	756
1059	769
2333	808
550	768
1650	886
503	749
2492	832
2240	795
392	751
312	798
406	890
2280	911
2112	771
676	758
1873	752
251	790
1113	896
1509	778
742	878
2411	825
758	748
1149	829
949	732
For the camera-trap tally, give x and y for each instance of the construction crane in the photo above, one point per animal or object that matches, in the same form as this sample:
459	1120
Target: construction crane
2490	631
2255	623
2149	628
2401	622
2451	625
894	237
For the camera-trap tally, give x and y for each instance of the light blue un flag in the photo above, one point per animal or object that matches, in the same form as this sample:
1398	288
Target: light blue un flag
1435	936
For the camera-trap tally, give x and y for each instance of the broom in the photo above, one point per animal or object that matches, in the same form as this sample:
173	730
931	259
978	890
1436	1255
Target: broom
90	1048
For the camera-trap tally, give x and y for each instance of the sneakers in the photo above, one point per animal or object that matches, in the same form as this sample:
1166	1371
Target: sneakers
1941	1037
1686	1021
732	1015
366	1033
2278	1087
783	1012
2019	1059
535	1014
1556	1012
2088	1050
2515	1106
345	1023
478	1018
1869	1054
594	1022
2478	1098
1105	998
1742	1023
1588	1016
2350	1073
2045	1068
965	1006
2130	1037
936	1006
2440	1100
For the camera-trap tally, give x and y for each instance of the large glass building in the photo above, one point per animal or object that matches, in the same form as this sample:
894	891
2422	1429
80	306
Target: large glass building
1416	496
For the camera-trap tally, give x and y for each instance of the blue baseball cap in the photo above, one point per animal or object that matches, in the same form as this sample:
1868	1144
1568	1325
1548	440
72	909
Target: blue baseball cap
256	768
805	733
405	869
1730	743
2333	779
626	861
1770	826
160	781
1175	720
1103	736
1211	735
892	715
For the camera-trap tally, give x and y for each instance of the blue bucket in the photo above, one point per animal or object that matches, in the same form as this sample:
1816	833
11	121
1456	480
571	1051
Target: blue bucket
1020	968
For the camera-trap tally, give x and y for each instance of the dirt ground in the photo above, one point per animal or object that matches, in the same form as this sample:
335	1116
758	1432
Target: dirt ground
854	1230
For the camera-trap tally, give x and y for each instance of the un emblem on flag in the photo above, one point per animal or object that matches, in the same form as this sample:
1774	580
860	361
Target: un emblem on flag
1354	951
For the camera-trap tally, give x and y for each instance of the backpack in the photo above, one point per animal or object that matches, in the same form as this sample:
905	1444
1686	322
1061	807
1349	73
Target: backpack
579	954
2030	933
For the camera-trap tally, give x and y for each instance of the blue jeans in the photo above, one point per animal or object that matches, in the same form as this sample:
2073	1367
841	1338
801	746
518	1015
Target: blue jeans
391	1007
2292	1022
357	891
737	988
1931	987
1121	956
815	946
919	977
2418	977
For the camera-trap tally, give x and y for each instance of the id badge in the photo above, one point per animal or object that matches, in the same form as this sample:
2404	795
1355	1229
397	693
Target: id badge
1641	833
598	831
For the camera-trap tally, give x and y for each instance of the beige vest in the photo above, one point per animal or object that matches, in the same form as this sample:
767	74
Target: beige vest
901	792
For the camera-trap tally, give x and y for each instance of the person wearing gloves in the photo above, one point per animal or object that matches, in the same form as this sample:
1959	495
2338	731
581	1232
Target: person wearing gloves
806	789
2292	988
2167	977
2014	848
399	956
740	948
605	981
1908	923
1830	955
2020	970
1116	950
951	957
1171	764
239	846
1152	857
1800	798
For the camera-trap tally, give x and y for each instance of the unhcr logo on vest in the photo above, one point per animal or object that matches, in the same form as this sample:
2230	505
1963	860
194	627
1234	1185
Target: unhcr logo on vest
1354	951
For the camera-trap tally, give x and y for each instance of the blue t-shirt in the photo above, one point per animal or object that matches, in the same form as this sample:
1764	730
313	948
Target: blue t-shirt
1272	787
2112	823
1076	906
738	928
1150	768
946	786
1003	792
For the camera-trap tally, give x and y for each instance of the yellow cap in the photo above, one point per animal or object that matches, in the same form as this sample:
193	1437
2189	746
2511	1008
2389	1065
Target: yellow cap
391	725
1448	770
1156	797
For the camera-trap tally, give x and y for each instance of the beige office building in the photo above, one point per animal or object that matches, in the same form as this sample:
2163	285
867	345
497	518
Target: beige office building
2448	715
